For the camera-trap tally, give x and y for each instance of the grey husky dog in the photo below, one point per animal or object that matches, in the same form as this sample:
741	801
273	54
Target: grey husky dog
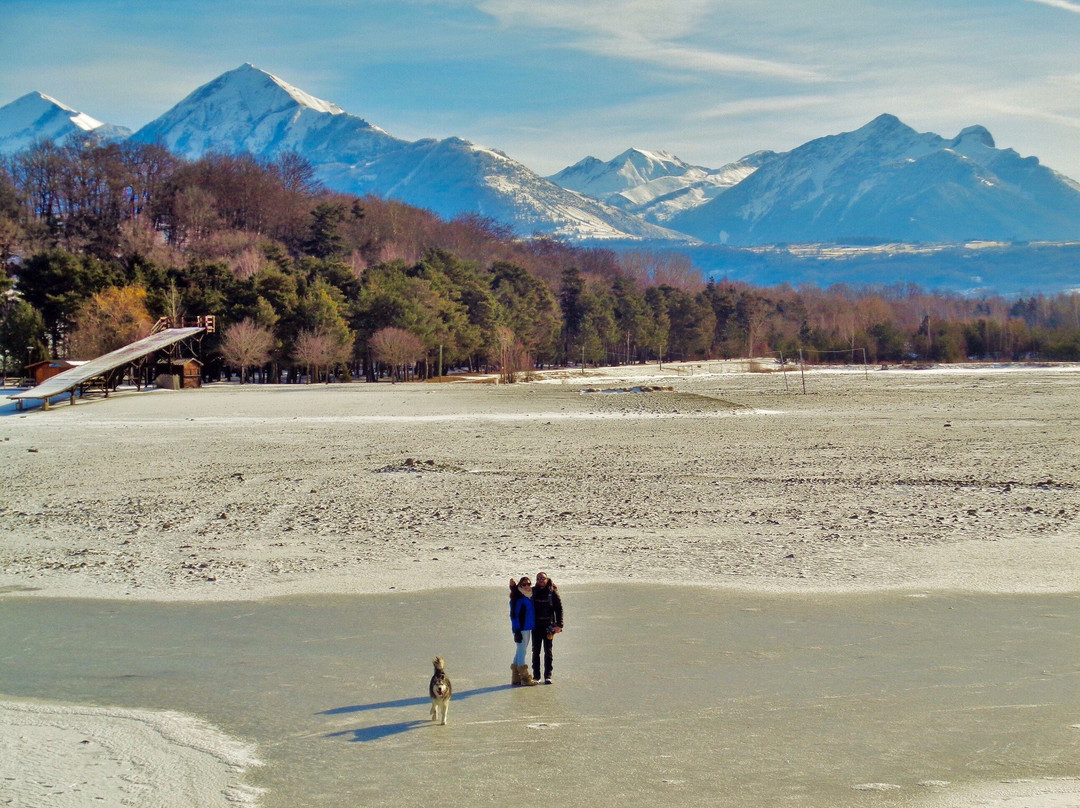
439	689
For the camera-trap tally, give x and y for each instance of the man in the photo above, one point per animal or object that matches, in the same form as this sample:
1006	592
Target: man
549	622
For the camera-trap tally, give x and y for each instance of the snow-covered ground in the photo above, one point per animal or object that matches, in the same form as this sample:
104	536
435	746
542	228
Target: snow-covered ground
170	520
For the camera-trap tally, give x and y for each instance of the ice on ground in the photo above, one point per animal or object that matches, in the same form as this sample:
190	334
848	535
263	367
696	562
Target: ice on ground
73	756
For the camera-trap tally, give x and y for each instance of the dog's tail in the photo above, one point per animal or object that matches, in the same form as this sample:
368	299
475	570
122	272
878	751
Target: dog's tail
440	666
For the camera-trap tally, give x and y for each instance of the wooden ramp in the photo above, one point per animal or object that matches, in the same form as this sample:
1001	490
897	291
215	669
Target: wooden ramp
70	380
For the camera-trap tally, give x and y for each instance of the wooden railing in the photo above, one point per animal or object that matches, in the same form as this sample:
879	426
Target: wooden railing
207	321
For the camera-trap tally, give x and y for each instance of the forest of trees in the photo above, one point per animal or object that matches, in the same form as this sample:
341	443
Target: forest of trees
98	240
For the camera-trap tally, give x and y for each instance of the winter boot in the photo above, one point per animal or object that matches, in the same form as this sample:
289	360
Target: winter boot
515	675
526	676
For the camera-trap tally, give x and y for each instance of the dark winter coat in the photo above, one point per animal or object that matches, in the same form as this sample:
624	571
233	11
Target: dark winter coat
548	606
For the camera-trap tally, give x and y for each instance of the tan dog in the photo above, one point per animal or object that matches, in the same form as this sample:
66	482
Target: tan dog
440	690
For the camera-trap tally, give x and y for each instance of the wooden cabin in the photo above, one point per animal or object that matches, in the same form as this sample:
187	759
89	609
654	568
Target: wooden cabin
178	374
47	368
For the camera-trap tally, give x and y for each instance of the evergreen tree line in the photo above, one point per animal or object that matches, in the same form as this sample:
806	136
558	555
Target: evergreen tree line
99	239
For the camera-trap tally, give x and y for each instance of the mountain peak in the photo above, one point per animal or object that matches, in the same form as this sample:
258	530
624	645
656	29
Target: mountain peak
885	125
249	109
250	83
36	117
35	106
630	169
974	134
639	155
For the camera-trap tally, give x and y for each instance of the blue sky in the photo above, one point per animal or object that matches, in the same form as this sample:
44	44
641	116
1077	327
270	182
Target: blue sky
551	81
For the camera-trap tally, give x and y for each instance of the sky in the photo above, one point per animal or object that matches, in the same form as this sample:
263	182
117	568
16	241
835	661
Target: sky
549	82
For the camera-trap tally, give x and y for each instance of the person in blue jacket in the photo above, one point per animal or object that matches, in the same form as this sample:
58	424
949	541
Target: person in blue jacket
522	622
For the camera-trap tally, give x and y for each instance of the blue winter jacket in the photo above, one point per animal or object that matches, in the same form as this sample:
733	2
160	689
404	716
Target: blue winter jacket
522	614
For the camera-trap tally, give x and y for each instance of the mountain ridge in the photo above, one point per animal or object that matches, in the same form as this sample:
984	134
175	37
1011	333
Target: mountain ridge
880	182
248	109
655	185
887	181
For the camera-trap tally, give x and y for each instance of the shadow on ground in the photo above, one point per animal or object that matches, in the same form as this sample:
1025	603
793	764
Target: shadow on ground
378	731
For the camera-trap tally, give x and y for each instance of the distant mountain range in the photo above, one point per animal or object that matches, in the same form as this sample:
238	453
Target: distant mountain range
250	110
654	185
887	182
884	182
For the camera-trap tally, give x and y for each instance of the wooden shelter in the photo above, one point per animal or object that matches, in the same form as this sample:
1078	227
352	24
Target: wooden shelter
178	374
47	368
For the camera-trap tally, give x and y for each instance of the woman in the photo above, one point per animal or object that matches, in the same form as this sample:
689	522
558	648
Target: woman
522	622
547	607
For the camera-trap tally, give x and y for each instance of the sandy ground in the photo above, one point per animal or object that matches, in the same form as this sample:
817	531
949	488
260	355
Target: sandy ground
964	479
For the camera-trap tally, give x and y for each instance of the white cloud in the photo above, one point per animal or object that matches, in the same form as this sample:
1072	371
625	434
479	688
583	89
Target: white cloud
763	106
661	34
664	20
1062	4
1036	114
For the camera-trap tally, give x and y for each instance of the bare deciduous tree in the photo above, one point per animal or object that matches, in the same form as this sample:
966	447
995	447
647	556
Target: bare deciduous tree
320	349
512	356
246	345
248	263
656	268
397	348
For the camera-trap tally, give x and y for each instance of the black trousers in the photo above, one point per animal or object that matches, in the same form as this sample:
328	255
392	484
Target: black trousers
540	640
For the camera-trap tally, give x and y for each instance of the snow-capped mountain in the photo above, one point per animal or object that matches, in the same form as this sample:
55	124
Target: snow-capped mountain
882	182
654	184
250	110
36	117
885	181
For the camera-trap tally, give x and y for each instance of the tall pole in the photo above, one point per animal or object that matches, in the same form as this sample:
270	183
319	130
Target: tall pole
802	372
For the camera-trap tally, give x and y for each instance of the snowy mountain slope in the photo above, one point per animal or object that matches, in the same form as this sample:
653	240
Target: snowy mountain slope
248	109
654	185
440	174
886	181
631	169
36	117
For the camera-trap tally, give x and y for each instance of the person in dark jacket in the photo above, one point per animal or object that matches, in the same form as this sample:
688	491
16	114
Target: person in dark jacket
547	606
522	622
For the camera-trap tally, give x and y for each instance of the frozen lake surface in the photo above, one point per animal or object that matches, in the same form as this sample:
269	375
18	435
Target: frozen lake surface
664	696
